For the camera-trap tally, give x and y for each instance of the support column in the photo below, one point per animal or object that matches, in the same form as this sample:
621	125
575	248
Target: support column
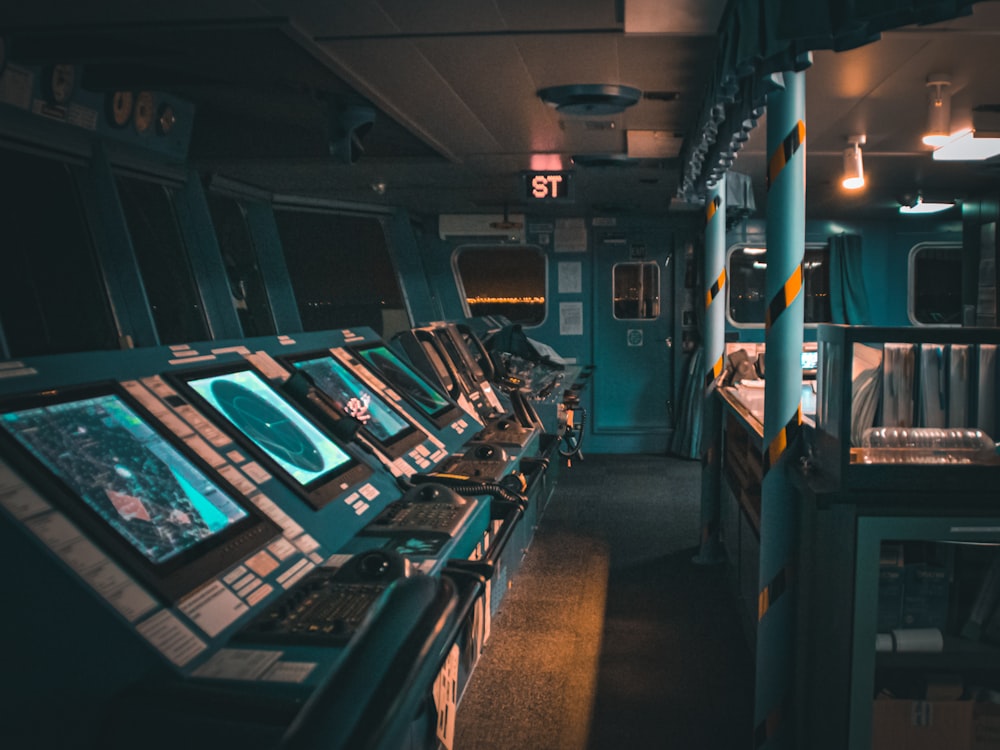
714	349
786	172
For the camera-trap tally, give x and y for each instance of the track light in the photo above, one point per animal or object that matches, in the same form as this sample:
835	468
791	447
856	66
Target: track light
938	110
854	170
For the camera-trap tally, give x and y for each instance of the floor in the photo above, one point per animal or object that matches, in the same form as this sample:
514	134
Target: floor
611	636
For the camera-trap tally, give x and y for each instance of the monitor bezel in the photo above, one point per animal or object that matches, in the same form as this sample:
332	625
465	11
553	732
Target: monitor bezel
171	579
442	418
318	492
397	445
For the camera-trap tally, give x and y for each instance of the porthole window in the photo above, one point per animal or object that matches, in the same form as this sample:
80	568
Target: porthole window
935	290
746	278
506	280
636	291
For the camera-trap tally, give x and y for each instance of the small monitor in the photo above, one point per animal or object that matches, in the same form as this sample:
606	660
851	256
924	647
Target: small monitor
381	424
810	360
135	485
272	429
411	386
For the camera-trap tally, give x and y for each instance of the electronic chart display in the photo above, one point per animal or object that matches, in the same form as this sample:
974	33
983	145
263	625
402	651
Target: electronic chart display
406	381
284	438
136	486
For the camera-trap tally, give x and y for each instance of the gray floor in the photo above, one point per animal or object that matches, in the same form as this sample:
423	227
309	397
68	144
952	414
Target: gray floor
610	636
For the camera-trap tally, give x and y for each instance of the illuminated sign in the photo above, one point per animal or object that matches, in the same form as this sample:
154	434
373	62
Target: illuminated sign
548	186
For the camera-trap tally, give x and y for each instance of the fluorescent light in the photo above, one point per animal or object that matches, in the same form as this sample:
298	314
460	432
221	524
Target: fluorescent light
964	146
920	206
759	265
754	250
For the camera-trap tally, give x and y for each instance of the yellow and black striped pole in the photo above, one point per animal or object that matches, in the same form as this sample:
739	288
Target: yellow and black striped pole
774	725
714	350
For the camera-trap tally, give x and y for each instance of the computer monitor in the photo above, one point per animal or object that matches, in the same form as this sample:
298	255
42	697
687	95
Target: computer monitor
273	430
345	392
135	486
410	385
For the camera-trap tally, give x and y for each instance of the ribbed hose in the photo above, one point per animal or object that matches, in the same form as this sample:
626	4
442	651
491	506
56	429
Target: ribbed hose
574	449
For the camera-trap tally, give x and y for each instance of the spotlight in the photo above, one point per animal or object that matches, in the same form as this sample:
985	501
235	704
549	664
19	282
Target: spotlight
938	110
854	170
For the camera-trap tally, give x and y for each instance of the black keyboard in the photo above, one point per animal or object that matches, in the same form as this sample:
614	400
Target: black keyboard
321	612
420	516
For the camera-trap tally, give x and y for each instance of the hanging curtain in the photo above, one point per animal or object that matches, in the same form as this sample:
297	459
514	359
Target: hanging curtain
848	298
686	440
759	38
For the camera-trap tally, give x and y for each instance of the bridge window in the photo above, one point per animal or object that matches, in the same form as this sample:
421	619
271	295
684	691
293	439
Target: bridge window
52	294
506	280
246	284
746	284
163	261
636	290
341	270
935	294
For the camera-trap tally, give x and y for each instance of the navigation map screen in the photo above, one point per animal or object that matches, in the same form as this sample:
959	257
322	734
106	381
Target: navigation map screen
145	489
401	377
254	408
353	398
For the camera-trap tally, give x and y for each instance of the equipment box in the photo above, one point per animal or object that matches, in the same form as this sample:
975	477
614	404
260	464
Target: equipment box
906	408
921	725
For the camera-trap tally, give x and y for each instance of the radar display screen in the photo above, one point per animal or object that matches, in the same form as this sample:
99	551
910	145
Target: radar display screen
152	495
403	378
254	408
353	398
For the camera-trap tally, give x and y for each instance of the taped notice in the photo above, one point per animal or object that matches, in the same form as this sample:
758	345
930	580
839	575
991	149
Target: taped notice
213	608
290	671
238	664
171	637
20	500
92	565
446	698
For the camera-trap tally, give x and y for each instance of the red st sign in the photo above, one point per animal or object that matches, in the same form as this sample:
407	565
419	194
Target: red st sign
548	185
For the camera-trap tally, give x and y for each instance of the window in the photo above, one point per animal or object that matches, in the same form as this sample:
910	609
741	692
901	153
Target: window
746	279
935	292
163	262
506	280
636	291
340	269
52	293
246	284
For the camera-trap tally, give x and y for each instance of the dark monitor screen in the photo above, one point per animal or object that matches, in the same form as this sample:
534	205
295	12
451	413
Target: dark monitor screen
162	506
316	465
354	398
404	379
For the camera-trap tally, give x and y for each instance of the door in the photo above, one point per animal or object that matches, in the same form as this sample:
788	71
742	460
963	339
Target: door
633	344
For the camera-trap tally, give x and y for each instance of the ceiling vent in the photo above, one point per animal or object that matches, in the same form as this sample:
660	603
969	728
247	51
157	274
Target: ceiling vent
590	99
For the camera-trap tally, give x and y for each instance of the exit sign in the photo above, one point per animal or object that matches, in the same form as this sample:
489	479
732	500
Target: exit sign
548	186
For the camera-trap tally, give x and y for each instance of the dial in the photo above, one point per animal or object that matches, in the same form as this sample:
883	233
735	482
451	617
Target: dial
61	83
145	111
120	106
166	119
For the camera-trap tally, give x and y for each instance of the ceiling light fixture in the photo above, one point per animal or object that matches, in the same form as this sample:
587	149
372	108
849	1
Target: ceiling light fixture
854	170
938	110
591	99
920	206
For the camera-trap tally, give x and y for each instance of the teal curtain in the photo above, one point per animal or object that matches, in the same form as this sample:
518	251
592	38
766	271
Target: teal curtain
760	38
686	440
848	298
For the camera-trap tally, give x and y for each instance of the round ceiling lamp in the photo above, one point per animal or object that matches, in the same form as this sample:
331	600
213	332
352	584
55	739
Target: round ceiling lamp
590	99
